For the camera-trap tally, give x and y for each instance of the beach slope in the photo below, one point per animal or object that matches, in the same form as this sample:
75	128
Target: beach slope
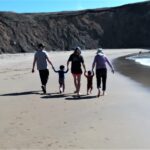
30	120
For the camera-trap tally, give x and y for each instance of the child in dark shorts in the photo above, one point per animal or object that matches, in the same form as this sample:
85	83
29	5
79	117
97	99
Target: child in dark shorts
61	73
89	75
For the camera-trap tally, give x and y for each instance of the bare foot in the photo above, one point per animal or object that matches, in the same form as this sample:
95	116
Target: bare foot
99	92
104	93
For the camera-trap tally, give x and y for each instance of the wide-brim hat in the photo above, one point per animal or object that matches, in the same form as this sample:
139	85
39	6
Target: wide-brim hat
99	51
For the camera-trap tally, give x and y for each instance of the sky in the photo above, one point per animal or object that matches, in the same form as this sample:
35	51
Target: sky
25	6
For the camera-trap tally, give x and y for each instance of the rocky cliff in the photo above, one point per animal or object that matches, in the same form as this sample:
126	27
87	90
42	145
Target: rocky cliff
127	26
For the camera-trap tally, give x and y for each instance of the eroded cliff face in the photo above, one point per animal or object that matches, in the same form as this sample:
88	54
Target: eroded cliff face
120	27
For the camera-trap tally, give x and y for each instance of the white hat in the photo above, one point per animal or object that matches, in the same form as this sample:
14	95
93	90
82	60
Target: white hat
100	50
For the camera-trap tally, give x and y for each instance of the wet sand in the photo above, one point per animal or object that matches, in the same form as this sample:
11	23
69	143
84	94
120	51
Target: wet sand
133	70
30	120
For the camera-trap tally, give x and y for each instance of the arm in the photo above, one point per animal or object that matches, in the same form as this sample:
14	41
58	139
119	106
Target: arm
49	61
54	69
66	70
93	65
69	60
82	61
34	61
85	74
92	73
84	67
110	65
47	58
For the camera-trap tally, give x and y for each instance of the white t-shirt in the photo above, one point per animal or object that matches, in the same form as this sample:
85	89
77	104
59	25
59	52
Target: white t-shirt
41	56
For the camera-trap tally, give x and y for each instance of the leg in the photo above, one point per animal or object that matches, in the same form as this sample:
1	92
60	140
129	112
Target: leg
98	78
45	75
63	86
41	76
60	85
91	89
44	78
78	83
75	81
60	88
104	78
88	87
87	90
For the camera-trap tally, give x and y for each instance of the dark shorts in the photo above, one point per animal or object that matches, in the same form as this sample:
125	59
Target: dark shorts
61	81
76	70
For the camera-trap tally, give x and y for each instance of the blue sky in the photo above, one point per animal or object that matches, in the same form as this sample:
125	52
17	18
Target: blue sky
21	6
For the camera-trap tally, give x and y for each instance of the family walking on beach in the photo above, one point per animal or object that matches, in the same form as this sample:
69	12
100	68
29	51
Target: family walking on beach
77	62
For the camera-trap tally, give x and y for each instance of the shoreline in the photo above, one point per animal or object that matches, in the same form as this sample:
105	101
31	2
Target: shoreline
135	71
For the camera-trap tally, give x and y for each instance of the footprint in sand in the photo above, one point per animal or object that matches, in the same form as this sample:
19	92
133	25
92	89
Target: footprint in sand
24	112
49	145
21	124
65	122
91	127
29	130
12	123
74	132
40	142
107	139
18	118
56	142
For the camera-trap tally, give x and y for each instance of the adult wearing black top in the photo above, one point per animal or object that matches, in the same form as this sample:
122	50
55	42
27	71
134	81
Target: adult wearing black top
76	60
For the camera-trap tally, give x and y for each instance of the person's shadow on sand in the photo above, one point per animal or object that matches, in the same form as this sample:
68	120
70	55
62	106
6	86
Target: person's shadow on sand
69	96
82	97
55	95
21	93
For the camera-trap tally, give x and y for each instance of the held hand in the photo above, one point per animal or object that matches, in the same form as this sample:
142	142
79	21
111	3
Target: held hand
113	71
53	67
93	72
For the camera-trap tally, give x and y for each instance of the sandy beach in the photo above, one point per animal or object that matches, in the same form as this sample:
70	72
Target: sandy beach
30	120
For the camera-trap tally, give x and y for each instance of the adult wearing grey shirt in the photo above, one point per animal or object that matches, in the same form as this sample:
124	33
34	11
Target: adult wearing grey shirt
100	61
41	58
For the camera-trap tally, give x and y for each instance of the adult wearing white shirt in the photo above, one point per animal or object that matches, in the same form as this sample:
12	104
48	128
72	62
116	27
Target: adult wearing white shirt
41	58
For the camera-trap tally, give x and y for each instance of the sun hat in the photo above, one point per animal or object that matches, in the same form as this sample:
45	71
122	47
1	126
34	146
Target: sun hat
100	50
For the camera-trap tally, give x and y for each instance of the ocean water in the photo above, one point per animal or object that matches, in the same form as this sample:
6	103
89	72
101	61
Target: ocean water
141	59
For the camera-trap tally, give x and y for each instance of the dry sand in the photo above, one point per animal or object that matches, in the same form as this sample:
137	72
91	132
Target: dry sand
29	120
